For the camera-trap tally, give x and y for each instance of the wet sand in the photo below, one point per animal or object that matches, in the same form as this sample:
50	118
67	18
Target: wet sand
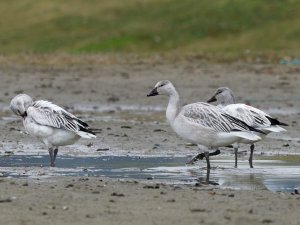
111	96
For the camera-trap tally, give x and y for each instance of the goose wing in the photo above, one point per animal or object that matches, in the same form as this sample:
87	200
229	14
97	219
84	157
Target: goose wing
250	115
48	114
212	117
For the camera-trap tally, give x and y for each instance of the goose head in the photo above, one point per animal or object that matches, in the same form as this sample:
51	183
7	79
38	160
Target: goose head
223	95
163	87
20	104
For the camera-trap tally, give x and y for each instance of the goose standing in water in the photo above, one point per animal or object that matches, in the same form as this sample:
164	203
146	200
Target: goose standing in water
202	123
50	123
251	116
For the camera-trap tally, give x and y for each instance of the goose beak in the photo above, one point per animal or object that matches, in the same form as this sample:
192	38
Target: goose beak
153	92
24	114
212	99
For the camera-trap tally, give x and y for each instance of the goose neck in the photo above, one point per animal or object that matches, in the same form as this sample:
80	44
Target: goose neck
173	107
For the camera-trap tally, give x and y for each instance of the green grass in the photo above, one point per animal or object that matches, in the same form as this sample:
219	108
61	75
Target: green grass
228	28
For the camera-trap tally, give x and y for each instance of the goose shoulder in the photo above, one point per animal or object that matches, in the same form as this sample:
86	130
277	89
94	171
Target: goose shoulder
250	115
48	114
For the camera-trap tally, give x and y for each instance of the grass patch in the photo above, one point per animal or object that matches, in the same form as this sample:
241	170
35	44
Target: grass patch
220	28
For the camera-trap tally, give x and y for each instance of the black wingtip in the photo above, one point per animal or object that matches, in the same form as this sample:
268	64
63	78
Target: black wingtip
87	130
275	121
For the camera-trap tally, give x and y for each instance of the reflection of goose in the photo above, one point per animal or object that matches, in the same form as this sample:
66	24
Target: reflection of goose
202	123
206	180
250	115
50	123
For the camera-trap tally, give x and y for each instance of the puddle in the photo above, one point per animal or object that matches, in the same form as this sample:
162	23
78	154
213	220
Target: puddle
272	174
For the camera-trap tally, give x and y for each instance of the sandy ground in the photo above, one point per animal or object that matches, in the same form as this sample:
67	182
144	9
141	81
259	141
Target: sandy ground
98	201
100	93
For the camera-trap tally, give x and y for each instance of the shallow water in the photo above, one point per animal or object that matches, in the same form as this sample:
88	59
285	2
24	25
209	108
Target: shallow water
273	174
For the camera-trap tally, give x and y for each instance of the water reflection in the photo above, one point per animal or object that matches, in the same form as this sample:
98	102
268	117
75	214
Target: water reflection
273	174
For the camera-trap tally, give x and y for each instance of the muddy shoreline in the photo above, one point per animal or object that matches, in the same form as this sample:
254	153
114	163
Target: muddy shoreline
112	98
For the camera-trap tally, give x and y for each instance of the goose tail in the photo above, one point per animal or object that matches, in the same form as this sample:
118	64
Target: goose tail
247	135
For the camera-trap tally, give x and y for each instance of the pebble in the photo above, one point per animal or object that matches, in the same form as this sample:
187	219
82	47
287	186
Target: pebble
5	200
159	130
89	145
117	194
267	221
156	186
197	210
9	152
113	99
102	149
190	144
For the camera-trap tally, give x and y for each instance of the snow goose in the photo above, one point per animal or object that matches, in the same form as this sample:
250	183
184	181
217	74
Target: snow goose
50	123
250	115
202	123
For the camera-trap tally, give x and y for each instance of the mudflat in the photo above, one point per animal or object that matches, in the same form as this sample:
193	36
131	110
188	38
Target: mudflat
111	96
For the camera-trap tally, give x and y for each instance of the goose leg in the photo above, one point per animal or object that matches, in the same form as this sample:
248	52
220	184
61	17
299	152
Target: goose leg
207	176
55	154
235	157
251	155
206	156
51	157
200	156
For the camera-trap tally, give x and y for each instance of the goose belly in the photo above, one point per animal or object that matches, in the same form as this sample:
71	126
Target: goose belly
49	135
194	134
202	135
61	137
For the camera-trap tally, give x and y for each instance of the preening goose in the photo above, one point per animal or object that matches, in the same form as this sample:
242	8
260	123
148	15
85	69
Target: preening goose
50	123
